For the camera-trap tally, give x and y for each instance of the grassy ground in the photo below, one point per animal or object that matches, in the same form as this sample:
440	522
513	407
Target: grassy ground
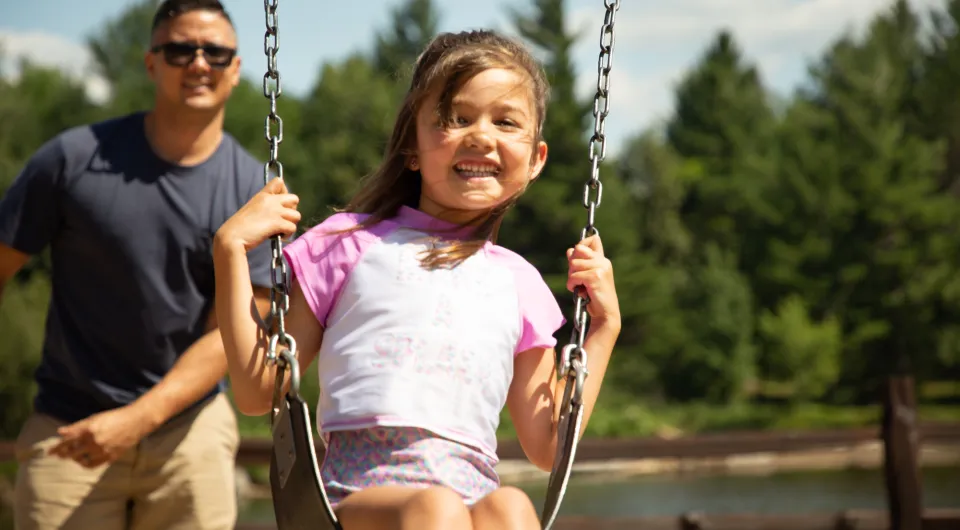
621	415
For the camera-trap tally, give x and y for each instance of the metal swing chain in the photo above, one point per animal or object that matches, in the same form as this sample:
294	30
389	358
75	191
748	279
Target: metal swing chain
285	358
572	360
573	357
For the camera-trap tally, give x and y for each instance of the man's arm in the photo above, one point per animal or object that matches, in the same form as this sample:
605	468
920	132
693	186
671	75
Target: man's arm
11	261
193	375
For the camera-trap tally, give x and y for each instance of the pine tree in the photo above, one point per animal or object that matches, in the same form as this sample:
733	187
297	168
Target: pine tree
721	131
412	25
939	119
869	240
724	126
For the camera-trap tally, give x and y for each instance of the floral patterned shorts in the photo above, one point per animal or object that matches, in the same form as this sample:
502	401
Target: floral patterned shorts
404	456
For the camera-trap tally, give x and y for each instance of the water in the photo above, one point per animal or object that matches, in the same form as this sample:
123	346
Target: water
670	495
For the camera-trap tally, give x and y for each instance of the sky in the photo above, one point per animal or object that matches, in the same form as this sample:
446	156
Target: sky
657	41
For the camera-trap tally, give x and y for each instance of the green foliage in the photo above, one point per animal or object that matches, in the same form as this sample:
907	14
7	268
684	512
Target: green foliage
118	50
724	125
22	314
335	105
716	361
800	352
878	231
413	24
623	416
41	104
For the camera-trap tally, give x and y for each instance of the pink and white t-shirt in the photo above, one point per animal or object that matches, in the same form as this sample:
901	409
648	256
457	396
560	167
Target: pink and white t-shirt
406	346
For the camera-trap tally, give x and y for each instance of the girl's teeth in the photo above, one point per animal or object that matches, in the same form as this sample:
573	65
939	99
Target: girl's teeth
477	171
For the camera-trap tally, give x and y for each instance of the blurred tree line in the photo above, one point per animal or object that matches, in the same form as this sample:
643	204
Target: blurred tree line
791	250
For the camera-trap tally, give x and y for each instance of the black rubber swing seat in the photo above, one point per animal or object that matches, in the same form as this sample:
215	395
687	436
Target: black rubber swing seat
299	499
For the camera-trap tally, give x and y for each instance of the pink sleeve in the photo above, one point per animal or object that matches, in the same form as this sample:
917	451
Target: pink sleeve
321	260
540	315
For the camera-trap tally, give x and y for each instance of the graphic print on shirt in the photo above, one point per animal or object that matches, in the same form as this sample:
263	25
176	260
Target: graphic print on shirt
439	354
395	352
409	270
443	316
467	365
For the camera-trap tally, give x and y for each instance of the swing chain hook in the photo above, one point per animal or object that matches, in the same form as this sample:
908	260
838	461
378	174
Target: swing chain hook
572	362
282	348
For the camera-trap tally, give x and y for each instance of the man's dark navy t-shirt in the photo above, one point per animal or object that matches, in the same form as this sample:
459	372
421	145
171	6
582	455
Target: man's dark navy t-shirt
130	237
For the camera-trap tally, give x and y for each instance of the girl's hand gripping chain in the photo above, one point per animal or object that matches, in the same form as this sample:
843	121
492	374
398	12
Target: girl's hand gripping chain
272	211
590	268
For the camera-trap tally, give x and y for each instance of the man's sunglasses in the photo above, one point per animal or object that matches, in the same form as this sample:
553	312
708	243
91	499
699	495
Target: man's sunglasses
182	54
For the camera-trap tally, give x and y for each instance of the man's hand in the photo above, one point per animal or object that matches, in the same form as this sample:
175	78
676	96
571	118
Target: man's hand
103	437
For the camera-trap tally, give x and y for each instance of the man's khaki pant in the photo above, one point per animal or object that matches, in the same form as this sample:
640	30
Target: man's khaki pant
181	477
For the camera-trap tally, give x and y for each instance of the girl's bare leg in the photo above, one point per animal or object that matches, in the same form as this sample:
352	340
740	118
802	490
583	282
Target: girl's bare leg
507	508
400	508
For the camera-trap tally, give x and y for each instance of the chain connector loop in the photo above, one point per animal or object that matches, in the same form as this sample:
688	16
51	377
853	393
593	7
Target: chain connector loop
578	367
572	365
289	359
563	360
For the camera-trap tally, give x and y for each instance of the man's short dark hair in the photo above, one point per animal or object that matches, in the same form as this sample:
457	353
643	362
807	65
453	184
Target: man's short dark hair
171	9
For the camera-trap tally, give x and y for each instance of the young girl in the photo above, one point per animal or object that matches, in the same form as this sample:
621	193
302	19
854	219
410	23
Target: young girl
423	328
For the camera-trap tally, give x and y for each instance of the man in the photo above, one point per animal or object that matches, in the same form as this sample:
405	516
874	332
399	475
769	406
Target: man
131	429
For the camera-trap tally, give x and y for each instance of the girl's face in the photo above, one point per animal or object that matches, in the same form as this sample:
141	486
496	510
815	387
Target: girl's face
487	156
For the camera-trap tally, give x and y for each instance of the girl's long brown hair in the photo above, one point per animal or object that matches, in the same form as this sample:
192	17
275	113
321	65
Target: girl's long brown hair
448	62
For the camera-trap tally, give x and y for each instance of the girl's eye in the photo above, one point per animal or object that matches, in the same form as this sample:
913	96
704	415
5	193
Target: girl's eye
455	121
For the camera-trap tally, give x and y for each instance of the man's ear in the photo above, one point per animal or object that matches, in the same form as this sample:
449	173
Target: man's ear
149	59
236	72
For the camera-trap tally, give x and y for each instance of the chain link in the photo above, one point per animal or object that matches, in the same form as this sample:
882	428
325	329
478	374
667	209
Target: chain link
573	357
273	131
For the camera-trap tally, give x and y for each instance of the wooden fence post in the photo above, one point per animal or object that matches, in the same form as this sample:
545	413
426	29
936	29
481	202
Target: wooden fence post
901	455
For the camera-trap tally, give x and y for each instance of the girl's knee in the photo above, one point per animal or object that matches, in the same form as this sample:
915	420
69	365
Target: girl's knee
436	507
512	498
403	508
508	507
